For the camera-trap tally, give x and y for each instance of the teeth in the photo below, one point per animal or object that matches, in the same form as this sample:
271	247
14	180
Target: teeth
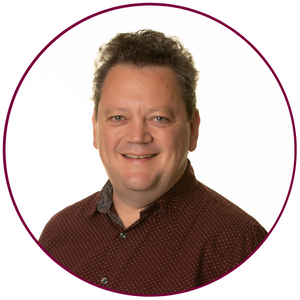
145	156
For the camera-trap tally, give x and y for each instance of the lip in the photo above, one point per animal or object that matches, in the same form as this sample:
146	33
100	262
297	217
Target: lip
139	156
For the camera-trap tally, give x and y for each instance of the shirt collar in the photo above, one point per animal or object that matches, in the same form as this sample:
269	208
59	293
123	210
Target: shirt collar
106	196
169	202
173	199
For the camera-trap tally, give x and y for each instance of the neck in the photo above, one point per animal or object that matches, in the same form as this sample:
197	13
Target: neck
129	203
128	211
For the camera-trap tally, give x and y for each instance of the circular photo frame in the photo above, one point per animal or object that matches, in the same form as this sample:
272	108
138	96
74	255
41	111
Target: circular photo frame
247	139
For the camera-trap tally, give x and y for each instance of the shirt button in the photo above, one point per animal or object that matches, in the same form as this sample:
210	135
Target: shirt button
104	280
123	235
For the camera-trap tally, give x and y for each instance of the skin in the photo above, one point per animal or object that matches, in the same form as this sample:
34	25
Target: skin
141	113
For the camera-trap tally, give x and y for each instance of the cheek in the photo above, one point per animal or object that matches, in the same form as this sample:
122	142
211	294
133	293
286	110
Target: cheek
182	141
105	141
175	141
109	140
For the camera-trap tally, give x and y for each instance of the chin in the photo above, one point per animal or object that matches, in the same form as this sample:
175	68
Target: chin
139	182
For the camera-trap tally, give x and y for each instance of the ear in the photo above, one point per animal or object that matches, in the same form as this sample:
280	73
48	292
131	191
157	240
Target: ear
194	130
95	131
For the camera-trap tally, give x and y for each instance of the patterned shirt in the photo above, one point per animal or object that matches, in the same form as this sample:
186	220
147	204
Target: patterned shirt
188	237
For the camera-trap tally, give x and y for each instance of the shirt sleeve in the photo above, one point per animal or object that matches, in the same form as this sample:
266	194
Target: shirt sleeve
46	235
247	243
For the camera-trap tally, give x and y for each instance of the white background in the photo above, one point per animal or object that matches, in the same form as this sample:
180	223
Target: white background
28	27
245	149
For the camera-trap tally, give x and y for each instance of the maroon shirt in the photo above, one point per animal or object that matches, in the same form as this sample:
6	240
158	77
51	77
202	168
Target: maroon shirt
188	237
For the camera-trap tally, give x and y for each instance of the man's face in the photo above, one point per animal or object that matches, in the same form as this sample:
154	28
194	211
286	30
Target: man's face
142	131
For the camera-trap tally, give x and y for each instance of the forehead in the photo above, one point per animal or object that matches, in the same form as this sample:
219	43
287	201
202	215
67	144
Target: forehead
145	87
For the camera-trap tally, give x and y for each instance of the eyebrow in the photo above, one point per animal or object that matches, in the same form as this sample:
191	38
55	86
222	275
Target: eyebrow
151	110
167	110
121	109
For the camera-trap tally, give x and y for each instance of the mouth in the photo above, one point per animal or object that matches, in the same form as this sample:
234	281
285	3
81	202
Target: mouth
139	156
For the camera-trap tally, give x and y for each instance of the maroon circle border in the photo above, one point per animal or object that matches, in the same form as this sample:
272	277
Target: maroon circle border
128	6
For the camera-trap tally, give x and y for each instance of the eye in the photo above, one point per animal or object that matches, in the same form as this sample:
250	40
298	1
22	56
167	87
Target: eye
117	118
160	119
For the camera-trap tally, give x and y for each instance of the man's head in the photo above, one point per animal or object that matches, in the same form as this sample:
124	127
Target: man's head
148	48
142	129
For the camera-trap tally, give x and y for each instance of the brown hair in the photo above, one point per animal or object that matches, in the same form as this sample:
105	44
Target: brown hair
148	48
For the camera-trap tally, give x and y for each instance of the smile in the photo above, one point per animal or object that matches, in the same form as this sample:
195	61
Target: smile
139	157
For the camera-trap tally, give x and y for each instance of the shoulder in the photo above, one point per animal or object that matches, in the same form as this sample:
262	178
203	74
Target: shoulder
225	230
214	215
85	206
213	206
69	216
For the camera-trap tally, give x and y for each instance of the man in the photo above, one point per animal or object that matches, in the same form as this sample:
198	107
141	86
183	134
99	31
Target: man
153	229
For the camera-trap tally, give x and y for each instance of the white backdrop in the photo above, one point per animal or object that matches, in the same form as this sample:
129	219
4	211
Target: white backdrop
245	147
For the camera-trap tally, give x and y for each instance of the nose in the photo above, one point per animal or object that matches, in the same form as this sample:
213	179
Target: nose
138	133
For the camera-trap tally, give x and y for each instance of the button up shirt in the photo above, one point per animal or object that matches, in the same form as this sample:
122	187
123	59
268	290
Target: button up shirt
188	237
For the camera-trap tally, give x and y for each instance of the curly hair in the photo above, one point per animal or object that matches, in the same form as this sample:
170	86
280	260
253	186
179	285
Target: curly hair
147	48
